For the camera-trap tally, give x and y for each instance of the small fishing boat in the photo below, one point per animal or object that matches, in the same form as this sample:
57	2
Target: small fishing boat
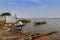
39	22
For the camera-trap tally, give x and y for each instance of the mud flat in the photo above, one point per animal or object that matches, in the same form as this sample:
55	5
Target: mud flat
24	35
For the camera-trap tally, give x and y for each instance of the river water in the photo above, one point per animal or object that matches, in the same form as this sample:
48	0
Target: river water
52	24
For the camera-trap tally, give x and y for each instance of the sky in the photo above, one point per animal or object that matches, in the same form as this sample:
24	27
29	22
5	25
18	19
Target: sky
31	8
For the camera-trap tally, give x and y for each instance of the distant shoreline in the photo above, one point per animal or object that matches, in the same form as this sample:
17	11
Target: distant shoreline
38	18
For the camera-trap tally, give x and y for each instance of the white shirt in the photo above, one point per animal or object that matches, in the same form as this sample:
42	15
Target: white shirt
20	23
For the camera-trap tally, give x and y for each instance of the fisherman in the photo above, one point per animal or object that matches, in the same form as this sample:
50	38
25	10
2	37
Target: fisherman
19	26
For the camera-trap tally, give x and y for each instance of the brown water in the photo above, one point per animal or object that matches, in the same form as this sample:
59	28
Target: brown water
53	24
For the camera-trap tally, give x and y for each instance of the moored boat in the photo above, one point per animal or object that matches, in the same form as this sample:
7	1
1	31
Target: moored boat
39	22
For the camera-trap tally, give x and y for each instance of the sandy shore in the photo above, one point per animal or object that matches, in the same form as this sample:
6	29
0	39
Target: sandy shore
24	36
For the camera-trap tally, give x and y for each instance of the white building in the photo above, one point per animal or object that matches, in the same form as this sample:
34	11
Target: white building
8	19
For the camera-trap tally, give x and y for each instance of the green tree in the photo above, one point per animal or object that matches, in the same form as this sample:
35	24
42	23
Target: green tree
5	14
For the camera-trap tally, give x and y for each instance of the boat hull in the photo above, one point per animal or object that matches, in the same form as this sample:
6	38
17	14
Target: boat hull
38	23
